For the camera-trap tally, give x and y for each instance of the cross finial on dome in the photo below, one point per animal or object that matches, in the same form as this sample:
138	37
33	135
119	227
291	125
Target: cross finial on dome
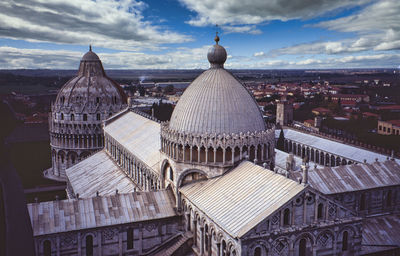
216	39
90	47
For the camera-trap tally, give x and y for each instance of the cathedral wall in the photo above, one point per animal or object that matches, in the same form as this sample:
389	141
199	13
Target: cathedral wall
142	175
133	238
320	240
371	201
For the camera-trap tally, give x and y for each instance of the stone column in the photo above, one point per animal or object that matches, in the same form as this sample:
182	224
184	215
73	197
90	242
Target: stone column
207	155
198	154
215	155
191	154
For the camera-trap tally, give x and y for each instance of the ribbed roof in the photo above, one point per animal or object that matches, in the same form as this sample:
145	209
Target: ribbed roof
100	211
241	198
90	83
216	102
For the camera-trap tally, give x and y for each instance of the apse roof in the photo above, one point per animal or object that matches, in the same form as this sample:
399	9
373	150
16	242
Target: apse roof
241	198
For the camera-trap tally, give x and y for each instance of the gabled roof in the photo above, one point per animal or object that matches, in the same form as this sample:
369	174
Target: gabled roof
137	134
380	233
346	178
241	198
98	173
339	149
69	215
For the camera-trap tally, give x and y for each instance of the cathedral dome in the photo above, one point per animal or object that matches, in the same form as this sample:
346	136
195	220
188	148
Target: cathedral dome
216	102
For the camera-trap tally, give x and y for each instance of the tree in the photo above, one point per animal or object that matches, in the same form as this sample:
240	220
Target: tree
280	144
169	88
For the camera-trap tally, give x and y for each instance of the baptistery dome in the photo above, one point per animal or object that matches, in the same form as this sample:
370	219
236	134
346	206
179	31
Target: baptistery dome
76	117
216	102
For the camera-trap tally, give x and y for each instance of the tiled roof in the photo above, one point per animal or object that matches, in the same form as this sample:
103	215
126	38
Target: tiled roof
68	215
98	173
241	198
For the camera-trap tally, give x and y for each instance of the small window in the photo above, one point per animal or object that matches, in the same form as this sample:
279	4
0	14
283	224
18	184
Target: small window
98	117
129	238
286	217
345	241
84	117
62	116
72	117
257	251
389	198
362	202
320	211
89	245
388	130
384	129
380	127
303	247
47	248
97	100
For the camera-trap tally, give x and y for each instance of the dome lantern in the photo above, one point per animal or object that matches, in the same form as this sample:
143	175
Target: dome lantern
216	54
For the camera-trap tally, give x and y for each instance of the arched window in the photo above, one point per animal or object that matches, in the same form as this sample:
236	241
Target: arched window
171	174
129	238
302	247
345	241
223	247
286	217
98	117
47	248
320	211
362	202
89	245
62	116
84	117
72	117
389	199
257	251
206	238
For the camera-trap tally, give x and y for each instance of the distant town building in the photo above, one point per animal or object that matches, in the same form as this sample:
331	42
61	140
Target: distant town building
391	127
284	112
321	111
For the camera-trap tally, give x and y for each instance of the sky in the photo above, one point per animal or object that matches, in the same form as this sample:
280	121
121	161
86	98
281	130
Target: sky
176	34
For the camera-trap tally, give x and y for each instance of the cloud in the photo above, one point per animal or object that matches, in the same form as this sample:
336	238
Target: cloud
377	26
239	12
185	58
241	29
259	54
104	23
182	58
